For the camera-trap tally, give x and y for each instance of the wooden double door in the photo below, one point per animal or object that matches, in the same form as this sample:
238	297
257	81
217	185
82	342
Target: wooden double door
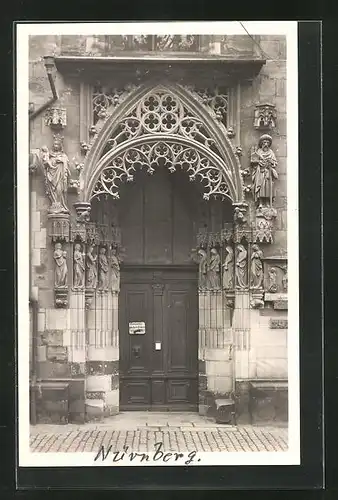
158	325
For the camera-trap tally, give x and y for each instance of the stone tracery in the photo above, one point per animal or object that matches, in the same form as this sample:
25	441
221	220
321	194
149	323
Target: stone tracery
160	111
161	129
172	155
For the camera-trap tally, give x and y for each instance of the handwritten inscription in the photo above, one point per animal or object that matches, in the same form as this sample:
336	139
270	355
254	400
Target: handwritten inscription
157	456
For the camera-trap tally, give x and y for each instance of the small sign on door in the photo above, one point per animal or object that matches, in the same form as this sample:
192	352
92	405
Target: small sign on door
137	328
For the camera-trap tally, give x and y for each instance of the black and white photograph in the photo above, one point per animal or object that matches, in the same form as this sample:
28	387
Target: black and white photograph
157	195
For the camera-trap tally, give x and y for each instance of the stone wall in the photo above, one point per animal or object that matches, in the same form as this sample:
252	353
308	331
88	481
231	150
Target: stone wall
269	87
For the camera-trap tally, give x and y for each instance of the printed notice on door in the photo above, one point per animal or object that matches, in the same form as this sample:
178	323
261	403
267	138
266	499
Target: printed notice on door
137	328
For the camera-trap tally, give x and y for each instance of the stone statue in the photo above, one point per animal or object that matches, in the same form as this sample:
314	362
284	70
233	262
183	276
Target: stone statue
256	267
103	269
115	266
214	270
57	174
61	270
228	269
203	269
264	163
91	278
79	268
272	280
285	280
241	267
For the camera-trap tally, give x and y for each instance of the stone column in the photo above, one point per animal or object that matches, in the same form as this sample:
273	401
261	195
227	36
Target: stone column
241	335
102	382
215	365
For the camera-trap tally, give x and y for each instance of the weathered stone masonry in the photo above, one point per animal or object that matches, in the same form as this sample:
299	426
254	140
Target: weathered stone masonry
243	324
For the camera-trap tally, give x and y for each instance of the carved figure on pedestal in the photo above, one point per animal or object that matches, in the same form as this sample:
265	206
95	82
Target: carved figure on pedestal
228	269
241	267
285	279
256	267
57	174
264	163
214	270
79	268
103	269
61	270
272	280
115	275
91	280
203	269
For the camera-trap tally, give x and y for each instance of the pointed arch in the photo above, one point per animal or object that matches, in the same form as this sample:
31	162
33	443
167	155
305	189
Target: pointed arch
171	117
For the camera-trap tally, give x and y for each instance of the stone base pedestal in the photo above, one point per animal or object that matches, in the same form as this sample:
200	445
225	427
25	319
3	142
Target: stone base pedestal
243	413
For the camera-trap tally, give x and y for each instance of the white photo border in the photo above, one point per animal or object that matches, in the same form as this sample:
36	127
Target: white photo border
23	31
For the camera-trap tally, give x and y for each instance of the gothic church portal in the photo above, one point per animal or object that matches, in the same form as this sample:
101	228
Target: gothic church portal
158	236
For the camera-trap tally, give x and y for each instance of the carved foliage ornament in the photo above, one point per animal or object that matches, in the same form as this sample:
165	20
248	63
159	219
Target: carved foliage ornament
216	101
105	99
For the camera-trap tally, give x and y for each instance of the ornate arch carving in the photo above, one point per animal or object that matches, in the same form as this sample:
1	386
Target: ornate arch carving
168	124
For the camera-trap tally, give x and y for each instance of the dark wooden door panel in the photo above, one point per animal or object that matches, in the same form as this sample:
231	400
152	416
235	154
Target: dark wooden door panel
178	330
135	306
159	368
135	393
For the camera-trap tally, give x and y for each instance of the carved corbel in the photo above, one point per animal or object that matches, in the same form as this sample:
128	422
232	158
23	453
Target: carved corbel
230	299
59	227
61	297
82	209
89	295
257	300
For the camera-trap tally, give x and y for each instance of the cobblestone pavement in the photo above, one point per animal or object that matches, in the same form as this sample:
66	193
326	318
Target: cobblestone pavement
140	433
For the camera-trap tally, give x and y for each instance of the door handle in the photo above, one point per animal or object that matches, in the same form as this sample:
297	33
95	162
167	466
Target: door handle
136	350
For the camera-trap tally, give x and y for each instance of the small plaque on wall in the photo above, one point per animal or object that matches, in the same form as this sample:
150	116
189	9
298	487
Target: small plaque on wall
137	328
